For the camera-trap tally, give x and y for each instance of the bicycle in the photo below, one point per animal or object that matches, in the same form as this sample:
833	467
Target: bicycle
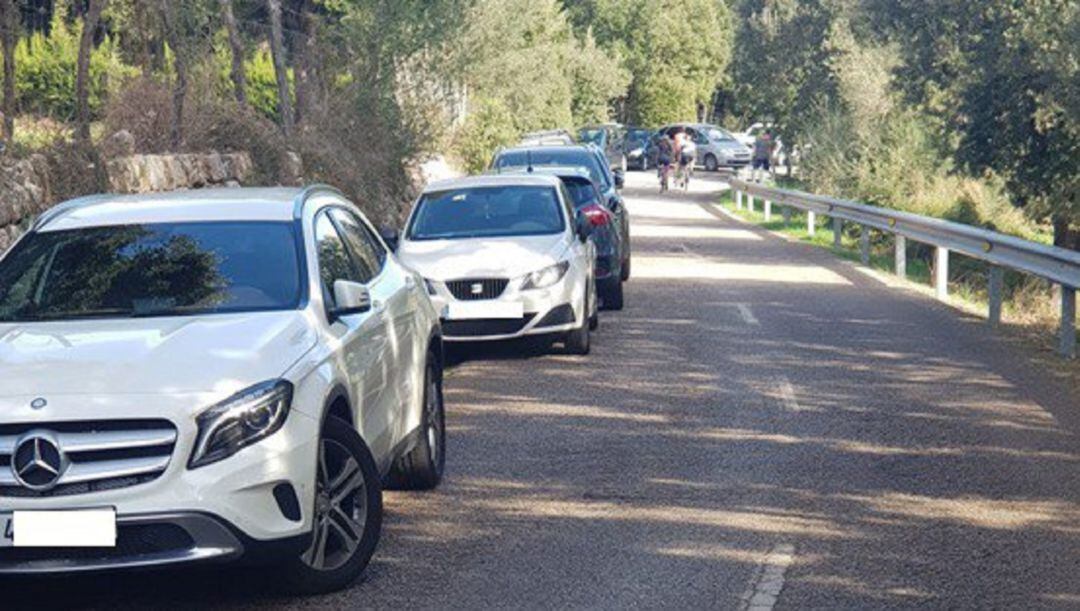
663	172
683	175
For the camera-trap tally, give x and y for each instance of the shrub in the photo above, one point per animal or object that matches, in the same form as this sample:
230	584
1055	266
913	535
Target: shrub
489	126
45	70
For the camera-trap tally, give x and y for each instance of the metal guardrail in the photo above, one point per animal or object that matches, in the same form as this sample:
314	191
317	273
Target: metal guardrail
1058	265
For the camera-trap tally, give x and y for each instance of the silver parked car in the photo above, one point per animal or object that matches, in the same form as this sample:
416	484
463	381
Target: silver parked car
716	147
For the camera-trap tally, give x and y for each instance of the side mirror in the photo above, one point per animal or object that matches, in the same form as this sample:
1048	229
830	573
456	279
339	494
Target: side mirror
390	236
350	298
620	178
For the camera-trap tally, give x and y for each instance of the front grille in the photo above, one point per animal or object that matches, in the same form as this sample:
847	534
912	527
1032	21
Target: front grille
485	326
477	288
100	455
132	540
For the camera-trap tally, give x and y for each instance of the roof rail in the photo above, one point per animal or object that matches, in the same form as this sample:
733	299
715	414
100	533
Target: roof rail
306	193
64	207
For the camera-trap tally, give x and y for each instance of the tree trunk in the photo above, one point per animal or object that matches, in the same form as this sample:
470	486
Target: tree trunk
82	70
277	50
172	37
9	33
306	73
1065	236
239	77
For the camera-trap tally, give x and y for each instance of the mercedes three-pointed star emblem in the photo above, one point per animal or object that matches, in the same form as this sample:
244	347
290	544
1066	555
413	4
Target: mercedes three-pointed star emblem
38	462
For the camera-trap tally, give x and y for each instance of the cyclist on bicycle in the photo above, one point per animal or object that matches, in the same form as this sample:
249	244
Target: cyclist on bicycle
665	153
685	153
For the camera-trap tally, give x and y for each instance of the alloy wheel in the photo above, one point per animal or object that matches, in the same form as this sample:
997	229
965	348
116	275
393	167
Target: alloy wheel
340	508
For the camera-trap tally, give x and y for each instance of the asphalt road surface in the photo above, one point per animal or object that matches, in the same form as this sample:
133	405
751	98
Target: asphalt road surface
762	425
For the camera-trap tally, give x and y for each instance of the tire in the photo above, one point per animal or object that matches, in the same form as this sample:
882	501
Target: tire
644	163
422	468
625	274
711	164
578	341
341	451
612	296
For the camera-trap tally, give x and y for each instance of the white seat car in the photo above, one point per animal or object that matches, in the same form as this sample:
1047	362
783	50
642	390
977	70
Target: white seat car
211	375
504	256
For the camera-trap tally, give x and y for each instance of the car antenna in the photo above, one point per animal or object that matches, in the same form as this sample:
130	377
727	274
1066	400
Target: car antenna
528	161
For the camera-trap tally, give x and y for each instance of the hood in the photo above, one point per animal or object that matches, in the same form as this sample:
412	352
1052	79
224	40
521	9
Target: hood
482	257
150	355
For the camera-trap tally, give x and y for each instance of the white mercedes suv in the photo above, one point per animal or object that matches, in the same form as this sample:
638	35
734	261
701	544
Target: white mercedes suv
211	375
505	256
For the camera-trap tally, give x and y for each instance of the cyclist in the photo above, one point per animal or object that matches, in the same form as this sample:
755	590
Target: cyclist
687	154
665	152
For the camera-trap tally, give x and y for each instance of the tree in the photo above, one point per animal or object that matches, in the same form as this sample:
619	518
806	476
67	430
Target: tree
281	70
82	72
9	36
175	41
236	47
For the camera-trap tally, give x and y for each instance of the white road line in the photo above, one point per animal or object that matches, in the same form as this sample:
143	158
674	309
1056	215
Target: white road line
787	396
747	315
768	582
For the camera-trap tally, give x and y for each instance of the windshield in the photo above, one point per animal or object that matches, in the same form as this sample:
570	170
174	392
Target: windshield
637	136
479	212
582	191
150	270
719	135
568	157
595	136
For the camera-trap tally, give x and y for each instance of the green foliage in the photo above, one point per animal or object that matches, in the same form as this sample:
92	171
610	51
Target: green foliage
45	70
261	84
488	127
676	52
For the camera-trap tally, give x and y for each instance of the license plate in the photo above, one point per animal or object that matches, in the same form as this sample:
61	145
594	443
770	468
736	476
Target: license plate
62	528
488	309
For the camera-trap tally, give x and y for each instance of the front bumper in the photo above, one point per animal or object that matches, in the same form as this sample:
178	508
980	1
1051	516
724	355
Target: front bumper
261	497
555	309
154	541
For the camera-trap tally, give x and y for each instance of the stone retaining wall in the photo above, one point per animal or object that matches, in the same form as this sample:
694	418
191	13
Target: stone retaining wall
25	192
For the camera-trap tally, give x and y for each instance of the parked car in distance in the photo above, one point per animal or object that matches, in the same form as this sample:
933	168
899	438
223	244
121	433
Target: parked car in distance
551	137
602	227
585	156
211	375
716	147
503	257
608	137
635	147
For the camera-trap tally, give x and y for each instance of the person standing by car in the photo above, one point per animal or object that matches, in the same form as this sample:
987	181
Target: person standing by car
763	152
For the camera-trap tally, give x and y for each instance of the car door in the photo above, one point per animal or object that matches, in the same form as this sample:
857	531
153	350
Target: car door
392	290
363	336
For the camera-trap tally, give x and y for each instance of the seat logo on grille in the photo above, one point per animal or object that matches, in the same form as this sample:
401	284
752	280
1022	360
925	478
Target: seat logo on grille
477	289
38	403
38	461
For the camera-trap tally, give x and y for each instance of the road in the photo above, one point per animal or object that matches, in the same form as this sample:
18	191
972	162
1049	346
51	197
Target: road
763	424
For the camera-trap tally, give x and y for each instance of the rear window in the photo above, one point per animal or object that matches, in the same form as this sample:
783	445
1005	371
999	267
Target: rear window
167	269
578	157
487	212
582	191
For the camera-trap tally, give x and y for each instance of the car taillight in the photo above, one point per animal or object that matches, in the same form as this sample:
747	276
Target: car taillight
596	214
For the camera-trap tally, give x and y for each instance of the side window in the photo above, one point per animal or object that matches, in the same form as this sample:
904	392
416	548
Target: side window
369	253
334	261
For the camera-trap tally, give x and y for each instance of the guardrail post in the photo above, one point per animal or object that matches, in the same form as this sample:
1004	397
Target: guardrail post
941	272
837	232
787	215
768	210
900	256
750	202
995	287
738	200
1067	335
864	245
811	222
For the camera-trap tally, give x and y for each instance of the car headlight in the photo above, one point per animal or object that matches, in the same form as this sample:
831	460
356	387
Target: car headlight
248	416
638	152
546	277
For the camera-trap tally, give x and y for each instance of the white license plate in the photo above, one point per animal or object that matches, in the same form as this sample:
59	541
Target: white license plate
485	309
61	528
